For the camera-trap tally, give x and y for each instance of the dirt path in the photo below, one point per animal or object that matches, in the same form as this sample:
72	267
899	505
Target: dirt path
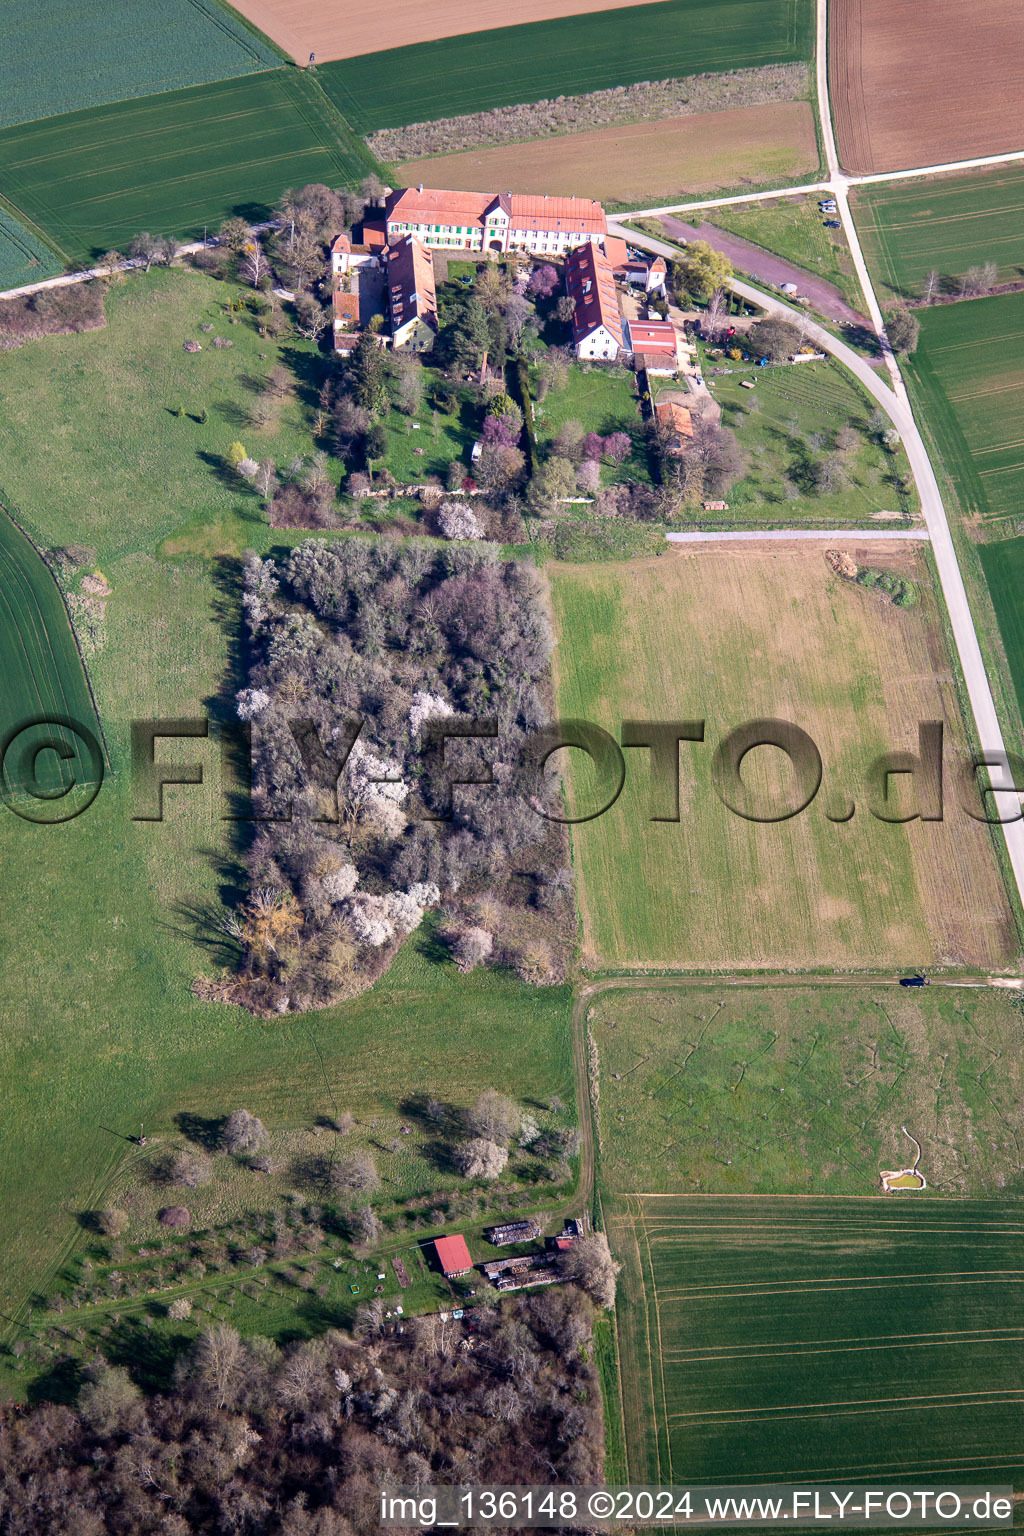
768	268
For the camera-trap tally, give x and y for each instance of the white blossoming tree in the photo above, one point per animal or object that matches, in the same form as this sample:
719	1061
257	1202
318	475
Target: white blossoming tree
456	520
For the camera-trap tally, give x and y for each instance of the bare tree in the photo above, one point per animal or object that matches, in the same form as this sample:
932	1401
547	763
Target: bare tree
244	1132
930	287
145	247
218	1361
355	1173
311	318
253	266
715	314
365	1229
589	1262
471	947
493	1116
265	479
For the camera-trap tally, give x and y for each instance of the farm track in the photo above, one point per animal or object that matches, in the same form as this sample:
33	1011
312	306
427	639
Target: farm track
754	259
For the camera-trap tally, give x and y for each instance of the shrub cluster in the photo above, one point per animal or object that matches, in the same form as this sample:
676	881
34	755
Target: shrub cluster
53	312
399	637
574	114
298	1442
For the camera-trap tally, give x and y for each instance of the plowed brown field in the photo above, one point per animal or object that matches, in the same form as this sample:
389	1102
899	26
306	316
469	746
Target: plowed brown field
334	31
925	81
642	162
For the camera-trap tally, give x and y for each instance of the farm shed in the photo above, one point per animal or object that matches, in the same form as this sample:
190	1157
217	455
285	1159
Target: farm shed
513	1232
453	1256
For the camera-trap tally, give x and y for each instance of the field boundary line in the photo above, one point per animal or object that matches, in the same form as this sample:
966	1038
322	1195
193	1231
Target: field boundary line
6	509
753	535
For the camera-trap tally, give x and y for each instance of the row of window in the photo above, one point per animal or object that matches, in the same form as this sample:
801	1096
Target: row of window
427	230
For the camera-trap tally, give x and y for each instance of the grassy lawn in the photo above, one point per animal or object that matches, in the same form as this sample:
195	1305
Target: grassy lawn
481	70
783	425
442	439
113	55
177	162
803	1090
765	1340
107	925
794	229
945	224
601	400
969	369
118	471
735	634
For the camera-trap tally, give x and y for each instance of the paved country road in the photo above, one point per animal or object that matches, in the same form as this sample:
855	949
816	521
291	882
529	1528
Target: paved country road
827	300
896	404
897	407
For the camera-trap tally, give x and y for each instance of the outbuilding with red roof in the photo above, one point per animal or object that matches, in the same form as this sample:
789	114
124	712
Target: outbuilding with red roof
453	1255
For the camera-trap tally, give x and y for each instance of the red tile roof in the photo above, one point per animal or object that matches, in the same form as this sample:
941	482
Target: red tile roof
653	337
409	205
431	205
616	251
453	1254
341	243
580	214
374	234
411	289
589	282
675	417
346	306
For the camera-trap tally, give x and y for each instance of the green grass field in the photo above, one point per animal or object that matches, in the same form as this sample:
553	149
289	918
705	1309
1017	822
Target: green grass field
778	425
87	1057
101	1028
89	54
44	679
122	473
24	258
771	1340
481	70
1003	565
175	163
794	229
775	1321
802	1090
969	370
601	400
732	634
945	224
441	439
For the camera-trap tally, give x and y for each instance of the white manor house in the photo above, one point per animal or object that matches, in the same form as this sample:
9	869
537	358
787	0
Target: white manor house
493	221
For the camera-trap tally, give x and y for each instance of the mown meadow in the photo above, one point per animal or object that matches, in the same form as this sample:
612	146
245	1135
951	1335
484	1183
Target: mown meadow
733	634
109	920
